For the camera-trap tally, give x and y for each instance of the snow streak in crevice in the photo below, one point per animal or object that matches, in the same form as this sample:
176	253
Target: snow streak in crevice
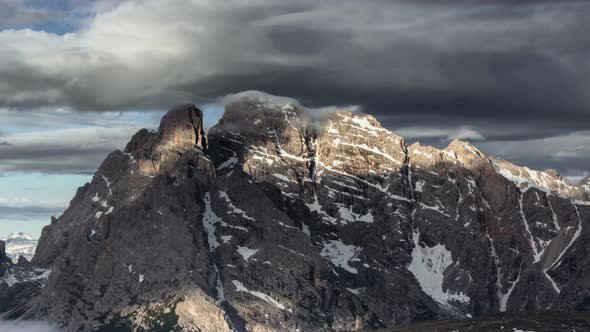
536	254
573	239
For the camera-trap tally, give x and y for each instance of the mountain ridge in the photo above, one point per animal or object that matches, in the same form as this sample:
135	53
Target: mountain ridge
277	221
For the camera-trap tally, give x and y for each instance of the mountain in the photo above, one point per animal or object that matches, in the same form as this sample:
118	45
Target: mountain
20	244
19	283
276	220
545	321
584	187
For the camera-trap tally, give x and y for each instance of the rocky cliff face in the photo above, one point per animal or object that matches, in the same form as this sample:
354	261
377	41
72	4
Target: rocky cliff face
276	221
584	187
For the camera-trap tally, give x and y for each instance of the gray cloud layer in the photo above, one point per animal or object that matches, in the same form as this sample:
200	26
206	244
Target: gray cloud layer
8	326
51	141
506	71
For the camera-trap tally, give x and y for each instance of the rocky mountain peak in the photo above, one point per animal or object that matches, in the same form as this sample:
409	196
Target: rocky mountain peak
457	155
464	148
183	127
263	121
4	260
524	178
3	256
585	182
285	221
181	132
366	121
584	187
20	236
553	172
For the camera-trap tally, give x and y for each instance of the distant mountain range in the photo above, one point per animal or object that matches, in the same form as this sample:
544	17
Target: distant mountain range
20	244
279	221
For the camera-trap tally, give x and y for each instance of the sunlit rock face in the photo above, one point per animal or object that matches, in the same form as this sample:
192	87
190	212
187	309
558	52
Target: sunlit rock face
183	127
283	220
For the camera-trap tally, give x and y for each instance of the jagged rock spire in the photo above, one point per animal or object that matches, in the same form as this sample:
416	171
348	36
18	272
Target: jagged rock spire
3	258
180	132
183	126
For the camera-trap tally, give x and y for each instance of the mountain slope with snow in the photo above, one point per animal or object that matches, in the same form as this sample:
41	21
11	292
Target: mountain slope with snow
20	244
279	221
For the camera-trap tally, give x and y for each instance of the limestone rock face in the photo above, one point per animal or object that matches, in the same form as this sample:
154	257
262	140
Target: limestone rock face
183	127
524	178
279	221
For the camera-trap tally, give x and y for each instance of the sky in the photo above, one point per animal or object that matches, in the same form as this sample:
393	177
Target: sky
79	77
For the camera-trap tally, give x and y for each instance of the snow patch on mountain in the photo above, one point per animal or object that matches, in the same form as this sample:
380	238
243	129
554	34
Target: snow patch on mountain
210	219
347	214
246	252
232	208
341	254
428	266
241	288
18	275
317	207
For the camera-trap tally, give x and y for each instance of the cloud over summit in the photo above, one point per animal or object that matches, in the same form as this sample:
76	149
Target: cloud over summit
457	57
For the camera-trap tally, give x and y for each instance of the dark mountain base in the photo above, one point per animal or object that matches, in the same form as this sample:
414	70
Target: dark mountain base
537	322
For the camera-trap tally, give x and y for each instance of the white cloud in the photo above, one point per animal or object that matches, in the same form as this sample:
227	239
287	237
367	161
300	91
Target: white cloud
444	134
466	133
25	202
14	326
417	132
86	138
257	96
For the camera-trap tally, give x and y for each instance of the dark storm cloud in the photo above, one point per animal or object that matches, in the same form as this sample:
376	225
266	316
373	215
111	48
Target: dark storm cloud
511	76
60	141
56	152
493	71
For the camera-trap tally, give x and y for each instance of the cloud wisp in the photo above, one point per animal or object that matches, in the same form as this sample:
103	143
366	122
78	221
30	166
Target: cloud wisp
9	326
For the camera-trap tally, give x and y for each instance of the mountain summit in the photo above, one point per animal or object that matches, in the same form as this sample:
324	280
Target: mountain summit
279	221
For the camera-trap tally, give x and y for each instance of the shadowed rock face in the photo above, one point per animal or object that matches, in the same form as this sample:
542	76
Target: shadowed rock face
545	321
284	222
4	260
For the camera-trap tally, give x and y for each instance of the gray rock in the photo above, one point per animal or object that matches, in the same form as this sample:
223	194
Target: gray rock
281	221
4	260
